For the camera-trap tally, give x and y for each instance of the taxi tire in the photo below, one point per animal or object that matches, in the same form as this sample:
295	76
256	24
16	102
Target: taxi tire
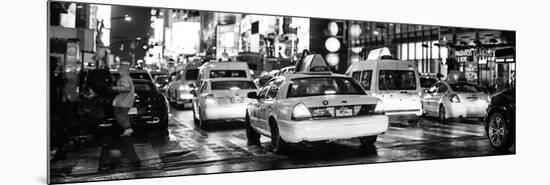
278	145
162	127
253	137
368	141
442	114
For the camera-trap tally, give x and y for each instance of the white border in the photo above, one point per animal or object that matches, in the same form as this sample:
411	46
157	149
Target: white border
24	76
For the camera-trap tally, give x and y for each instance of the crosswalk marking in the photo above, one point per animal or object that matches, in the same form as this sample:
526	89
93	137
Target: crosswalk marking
147	156
88	162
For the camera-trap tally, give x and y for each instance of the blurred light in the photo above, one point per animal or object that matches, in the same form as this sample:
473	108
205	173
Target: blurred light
127	18
234	88
357	49
117	59
332	59
332	44
355	58
144	47
355	30
375	33
333	28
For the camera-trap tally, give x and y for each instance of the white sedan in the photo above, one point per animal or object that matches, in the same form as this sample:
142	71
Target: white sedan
301	107
455	100
221	99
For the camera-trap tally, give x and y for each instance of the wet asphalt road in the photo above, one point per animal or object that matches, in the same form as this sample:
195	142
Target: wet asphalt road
189	150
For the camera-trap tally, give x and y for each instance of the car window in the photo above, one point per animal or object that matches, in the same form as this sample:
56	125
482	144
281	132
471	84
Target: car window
397	80
427	82
272	93
466	87
191	74
227	73
442	88
356	75
143	87
315	86
203	87
233	85
264	90
366	79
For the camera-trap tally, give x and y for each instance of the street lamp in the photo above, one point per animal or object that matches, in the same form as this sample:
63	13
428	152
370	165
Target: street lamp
99	28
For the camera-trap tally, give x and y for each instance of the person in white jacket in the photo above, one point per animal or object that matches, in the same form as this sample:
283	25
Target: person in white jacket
124	100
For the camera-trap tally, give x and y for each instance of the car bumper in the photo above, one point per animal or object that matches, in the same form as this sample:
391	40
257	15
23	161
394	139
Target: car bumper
332	129
184	98
404	114
466	110
225	112
136	120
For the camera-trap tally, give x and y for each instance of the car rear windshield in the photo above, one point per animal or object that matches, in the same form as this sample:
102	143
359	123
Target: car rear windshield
427	82
465	87
397	80
234	85
227	73
143	87
316	86
192	74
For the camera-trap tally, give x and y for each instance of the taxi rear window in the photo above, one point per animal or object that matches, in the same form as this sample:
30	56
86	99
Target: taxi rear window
317	86
226	85
397	80
227	73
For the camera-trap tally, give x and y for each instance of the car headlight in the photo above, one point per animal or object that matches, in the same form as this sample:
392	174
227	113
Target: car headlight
379	107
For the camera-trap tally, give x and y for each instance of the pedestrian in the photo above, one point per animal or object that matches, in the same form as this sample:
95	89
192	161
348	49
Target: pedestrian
124	100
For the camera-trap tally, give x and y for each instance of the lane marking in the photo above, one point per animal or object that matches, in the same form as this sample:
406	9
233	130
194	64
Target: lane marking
409	137
440	134
147	156
88	162
396	128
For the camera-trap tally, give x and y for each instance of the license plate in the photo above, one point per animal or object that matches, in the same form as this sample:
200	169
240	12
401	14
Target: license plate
343	111
237	100
132	111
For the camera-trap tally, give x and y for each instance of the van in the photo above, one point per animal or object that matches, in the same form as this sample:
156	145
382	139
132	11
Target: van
211	70
184	81
395	82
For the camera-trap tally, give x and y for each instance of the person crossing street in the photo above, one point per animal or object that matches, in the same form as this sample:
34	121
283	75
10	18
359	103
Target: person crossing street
124	100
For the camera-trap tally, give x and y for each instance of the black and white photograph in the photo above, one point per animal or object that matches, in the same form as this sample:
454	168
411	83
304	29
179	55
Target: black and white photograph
138	92
141	92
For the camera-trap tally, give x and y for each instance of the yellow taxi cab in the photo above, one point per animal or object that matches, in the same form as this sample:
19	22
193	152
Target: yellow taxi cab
313	104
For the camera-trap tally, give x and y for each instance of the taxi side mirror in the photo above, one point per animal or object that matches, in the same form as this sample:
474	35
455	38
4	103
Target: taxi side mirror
252	95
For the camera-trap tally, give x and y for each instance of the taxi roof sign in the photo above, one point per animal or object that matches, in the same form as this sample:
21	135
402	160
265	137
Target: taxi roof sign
312	64
380	53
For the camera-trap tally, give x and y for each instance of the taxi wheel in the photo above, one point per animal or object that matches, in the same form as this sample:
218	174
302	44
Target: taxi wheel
442	114
368	140
162	127
500	135
278	145
252	136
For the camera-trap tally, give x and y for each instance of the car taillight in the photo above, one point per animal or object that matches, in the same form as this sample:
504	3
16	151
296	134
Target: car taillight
356	109
379	107
454	98
300	112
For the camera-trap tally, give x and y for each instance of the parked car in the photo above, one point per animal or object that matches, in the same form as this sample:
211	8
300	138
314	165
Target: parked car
150	108
313	105
179	90
395	82
135	74
221	99
455	100
500	121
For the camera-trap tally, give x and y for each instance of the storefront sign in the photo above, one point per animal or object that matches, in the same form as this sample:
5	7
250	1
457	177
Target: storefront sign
463	53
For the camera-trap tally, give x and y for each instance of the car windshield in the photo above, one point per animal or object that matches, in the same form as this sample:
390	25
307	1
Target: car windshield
142	76
316	86
427	82
233	85
466	87
397	80
140	86
192	74
162	79
227	73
